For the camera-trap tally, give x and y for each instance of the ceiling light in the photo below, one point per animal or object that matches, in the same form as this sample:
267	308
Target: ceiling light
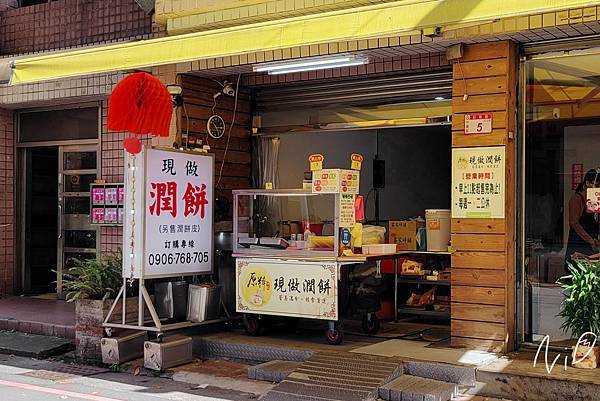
311	64
438	98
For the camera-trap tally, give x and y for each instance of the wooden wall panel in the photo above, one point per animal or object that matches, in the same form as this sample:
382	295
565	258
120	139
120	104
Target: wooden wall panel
478	277
480	242
478	226
477	103
479	69
481	260
478	295
483	287
481	86
460	140
492	313
199	101
489	331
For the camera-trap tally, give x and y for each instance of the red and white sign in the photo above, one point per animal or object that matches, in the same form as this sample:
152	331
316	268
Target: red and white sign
478	123
172	214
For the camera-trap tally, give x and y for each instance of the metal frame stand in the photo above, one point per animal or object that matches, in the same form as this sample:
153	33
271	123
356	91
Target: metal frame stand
154	324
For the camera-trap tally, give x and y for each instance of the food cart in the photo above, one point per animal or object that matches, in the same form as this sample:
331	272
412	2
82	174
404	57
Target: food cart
278	276
291	247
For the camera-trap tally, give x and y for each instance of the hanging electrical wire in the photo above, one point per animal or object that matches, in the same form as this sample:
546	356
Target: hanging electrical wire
235	105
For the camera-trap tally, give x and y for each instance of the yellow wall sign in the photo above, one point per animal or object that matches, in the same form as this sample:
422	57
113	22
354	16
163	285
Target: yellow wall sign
316	162
284	288
357	160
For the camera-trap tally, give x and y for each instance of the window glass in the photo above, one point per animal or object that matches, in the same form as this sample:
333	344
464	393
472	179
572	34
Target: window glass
59	125
562	133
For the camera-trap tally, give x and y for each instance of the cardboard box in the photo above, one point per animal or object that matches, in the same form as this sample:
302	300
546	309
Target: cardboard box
403	233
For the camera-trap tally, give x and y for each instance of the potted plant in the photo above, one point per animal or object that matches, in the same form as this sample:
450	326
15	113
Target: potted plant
581	310
92	284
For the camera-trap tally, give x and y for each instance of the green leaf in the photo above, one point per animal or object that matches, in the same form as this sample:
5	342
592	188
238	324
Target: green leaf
98	278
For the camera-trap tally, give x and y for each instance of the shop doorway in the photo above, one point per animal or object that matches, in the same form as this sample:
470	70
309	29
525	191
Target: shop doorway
401	126
41	223
57	160
56	219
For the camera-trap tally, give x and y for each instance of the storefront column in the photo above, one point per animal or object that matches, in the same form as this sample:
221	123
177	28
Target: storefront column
483	265
7	209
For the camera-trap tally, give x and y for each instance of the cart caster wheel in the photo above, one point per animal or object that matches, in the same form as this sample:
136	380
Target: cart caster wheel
370	325
108	332
159	337
335	336
252	325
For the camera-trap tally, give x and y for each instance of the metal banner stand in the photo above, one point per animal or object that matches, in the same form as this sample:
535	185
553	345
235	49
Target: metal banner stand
137	256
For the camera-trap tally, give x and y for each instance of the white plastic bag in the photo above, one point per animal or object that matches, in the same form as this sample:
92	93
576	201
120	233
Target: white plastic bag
373	235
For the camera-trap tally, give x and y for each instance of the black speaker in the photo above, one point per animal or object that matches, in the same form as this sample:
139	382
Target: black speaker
378	173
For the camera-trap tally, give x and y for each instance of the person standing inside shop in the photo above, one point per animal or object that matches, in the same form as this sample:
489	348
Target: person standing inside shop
583	227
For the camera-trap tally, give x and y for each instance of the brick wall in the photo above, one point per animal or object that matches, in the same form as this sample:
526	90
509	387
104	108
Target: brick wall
6	203
8	4
68	23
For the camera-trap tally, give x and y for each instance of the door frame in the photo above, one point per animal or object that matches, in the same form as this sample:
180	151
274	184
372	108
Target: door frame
21	196
62	149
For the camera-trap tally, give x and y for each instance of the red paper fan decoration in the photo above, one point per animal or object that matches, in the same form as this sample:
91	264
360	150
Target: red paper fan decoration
140	104
132	145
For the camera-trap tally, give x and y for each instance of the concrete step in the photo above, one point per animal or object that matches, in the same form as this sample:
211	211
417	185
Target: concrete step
339	376
281	396
33	345
273	371
415	388
461	375
247	353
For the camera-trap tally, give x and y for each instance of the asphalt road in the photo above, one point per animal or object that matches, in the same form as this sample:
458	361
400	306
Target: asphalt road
26	379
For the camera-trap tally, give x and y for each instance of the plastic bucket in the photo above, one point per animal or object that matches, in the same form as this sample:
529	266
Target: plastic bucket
438	229
317	228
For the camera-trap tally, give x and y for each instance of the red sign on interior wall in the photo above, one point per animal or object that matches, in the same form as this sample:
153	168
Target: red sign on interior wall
478	123
576	174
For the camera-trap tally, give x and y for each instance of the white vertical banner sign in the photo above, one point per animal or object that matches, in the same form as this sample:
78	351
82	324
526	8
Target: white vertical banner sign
478	182
172	214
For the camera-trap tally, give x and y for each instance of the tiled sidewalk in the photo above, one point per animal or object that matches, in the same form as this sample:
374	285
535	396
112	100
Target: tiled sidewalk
48	317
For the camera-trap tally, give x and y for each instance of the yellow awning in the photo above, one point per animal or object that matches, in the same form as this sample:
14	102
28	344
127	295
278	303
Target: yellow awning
380	20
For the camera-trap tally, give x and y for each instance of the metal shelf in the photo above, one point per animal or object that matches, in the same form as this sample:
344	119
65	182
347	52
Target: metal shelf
425	253
402	280
423	312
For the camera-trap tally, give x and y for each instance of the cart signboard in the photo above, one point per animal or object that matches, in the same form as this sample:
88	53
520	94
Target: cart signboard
168	214
335	181
478	184
287	288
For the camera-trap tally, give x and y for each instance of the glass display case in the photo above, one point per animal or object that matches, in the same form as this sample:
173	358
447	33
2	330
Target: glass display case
286	224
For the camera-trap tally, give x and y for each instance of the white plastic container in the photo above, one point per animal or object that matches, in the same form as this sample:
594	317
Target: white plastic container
438	229
378	249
